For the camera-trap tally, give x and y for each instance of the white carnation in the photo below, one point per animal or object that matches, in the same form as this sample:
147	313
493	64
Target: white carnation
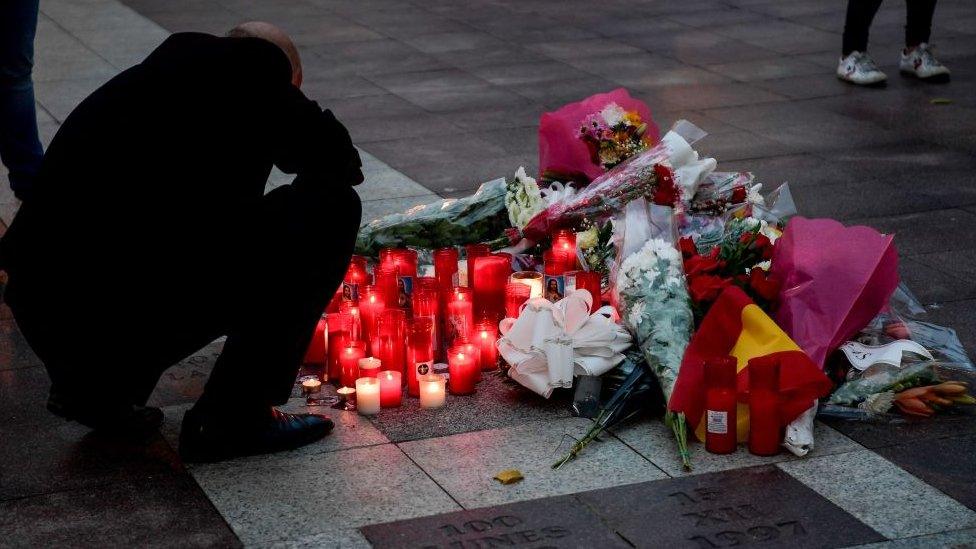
613	114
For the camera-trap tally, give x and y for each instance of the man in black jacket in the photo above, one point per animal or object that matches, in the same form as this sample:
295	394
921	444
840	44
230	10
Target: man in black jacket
148	235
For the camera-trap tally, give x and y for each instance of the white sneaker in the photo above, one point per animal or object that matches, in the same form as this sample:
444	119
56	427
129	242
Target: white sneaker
921	63
859	68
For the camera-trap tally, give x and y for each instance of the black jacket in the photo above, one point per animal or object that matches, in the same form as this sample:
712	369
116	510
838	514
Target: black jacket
168	161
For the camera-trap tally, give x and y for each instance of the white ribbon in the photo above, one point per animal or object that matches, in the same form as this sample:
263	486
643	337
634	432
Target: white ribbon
550	343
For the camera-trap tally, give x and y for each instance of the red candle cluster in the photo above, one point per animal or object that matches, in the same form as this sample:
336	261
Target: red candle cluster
490	275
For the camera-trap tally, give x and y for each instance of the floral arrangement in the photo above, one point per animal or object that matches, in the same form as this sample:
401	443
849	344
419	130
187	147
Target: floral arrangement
595	246
742	258
614	135
523	199
655	307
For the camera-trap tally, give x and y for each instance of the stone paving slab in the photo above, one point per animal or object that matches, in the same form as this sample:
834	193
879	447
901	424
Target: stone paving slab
162	510
881	495
498	403
742	507
464	465
945	463
560	521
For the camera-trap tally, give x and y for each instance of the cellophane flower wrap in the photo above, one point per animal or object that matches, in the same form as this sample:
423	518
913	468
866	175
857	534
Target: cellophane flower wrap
480	217
655	307
592	135
666	174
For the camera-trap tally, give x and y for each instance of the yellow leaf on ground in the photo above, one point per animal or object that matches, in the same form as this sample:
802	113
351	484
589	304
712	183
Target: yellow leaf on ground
509	476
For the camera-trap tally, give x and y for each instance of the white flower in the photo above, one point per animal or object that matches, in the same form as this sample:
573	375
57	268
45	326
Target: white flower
770	232
765	265
636	314
753	196
588	238
523	199
613	114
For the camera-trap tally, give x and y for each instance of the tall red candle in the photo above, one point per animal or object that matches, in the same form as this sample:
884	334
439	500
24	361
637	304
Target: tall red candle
564	247
391	332
426	304
490	276
391	389
386	283
472	252
349	361
446	267
486	333
420	352
463	368
460	316
356	277
591	281
371	304
720	404
765	428
337	340
351	320
317	353
516	294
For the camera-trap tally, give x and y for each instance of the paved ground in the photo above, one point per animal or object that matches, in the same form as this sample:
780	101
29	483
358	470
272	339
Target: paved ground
444	94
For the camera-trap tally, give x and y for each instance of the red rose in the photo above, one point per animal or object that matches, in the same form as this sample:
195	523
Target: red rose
738	195
706	287
764	286
687	246
666	193
702	264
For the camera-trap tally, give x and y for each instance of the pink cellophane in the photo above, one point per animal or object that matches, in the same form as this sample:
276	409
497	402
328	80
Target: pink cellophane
835	279
561	149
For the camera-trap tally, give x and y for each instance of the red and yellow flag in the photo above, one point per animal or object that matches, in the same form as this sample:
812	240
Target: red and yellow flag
738	327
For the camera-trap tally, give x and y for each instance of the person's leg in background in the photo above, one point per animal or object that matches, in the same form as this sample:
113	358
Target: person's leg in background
20	147
917	58
855	65
307	235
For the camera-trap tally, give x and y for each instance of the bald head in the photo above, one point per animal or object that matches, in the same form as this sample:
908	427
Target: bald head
271	33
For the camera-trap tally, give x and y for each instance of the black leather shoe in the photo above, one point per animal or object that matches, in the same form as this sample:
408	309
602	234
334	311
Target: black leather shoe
205	439
120	419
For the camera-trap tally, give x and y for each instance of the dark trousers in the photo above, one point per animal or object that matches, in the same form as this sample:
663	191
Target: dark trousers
860	13
20	148
107	347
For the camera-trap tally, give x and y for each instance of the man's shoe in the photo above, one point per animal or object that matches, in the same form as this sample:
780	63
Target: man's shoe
120	420
205	439
858	68
921	63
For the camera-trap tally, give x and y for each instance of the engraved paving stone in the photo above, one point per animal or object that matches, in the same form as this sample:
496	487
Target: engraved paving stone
551	522
753	506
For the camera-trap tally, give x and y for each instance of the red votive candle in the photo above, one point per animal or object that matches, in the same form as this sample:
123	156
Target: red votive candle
386	284
356	277
391	389
391	331
371	304
590	281
554	288
352	323
490	276
473	251
460	317
317	352
720	404
564	247
516	294
486	333
463	368
473	349
420	352
446	267
337	340
765	431
426	304
349	361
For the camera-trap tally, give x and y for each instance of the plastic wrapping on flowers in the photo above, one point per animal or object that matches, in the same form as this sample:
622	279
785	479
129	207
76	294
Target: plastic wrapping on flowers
481	217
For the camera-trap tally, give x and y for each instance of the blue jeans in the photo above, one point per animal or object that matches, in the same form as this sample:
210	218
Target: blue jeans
20	147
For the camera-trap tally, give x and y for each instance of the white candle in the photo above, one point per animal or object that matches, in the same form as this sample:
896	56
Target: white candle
532	279
432	390
369	367
368	395
310	386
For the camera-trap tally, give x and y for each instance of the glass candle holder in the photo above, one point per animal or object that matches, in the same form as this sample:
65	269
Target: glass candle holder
391	335
765	431
532	279
564	247
349	360
371	304
420	352
317	353
427	304
370	367
486	334
590	281
352	322
356	277
446	267
473	251
515	295
463	368
337	341
432	394
491	273
391	388
368	396
386	284
460	316
555	285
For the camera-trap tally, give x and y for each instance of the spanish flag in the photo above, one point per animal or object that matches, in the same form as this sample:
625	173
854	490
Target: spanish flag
738	327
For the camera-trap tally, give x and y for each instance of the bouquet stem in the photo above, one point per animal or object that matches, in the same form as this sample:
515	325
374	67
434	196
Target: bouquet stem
599	425
679	426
